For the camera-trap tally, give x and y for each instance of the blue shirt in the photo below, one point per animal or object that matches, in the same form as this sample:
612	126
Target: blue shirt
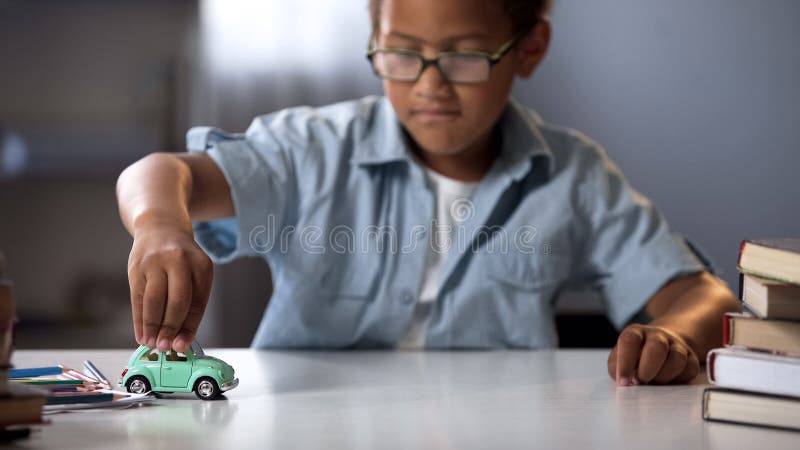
335	202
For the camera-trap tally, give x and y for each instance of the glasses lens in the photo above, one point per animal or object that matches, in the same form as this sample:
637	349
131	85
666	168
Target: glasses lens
465	69
396	65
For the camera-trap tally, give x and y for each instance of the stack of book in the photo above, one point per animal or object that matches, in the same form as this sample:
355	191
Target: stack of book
757	374
19	405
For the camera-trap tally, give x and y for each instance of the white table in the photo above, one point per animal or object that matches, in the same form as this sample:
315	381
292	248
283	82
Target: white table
379	400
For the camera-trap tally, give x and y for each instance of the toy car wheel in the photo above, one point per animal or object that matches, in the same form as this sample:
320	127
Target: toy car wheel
138	385
206	388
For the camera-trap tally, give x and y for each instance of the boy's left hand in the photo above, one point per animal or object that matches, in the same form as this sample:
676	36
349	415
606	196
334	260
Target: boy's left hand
651	354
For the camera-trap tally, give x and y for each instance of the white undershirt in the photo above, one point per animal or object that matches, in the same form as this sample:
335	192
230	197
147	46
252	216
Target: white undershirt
451	207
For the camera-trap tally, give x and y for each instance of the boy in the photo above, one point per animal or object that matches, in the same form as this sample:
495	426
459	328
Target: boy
442	216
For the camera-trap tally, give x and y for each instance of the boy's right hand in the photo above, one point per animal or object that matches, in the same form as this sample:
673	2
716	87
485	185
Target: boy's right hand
170	281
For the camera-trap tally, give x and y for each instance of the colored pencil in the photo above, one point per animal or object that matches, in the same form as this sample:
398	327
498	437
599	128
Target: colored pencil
34	372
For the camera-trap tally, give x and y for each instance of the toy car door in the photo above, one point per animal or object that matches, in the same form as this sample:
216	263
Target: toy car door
175	370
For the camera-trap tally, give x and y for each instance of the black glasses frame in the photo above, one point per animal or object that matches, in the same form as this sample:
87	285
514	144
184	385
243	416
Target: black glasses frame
491	58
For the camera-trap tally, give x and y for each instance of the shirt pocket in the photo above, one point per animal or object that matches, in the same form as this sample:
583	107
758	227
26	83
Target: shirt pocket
528	272
325	304
519	294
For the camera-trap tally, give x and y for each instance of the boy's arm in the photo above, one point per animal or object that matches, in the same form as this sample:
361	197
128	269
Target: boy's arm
169	275
687	323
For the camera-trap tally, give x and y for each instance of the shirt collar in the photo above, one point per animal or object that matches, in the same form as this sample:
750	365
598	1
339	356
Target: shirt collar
522	141
383	140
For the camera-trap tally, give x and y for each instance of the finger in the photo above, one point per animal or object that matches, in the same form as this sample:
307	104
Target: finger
155	296
200	294
654	354
178	300
629	347
673	366
612	363
137	287
691	369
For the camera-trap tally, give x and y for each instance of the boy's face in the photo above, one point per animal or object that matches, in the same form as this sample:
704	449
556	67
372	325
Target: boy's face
448	119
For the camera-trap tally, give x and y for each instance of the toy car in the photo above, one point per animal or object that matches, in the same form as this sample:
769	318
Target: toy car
152	370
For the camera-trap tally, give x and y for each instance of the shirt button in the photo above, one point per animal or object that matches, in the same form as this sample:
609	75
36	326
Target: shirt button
407	298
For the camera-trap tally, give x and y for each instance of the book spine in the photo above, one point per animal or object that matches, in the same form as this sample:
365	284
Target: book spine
741	286
706	393
741	252
710	359
726	329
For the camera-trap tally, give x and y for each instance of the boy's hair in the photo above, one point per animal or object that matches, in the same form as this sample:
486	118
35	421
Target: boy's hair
525	14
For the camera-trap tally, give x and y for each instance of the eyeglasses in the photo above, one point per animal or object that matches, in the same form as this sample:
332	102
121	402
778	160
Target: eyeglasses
456	67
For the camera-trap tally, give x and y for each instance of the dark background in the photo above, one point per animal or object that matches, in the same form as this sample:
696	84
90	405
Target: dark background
697	102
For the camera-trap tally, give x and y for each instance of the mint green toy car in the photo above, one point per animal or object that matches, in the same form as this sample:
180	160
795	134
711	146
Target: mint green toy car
152	370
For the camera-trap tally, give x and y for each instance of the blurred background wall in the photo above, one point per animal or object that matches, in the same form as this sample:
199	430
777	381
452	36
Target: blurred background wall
698	102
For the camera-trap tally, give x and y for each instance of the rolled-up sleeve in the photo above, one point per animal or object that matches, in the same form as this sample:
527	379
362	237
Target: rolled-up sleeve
259	173
629	250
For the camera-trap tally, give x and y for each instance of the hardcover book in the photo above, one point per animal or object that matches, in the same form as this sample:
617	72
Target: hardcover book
770	299
777	259
754	371
750	408
776	336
